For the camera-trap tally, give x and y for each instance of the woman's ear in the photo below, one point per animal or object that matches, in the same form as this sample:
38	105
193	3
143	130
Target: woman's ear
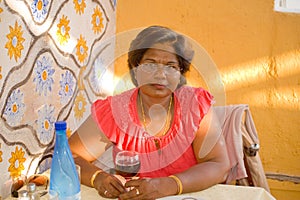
133	72
182	81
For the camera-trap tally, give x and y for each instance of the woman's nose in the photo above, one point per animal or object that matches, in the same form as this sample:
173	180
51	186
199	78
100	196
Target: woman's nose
160	71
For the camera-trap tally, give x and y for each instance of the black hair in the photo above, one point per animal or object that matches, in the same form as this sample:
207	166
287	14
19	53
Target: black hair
155	35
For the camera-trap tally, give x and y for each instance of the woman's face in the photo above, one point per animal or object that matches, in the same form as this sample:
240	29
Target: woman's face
158	73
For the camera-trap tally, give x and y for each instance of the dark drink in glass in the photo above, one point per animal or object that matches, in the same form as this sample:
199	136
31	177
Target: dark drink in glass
127	164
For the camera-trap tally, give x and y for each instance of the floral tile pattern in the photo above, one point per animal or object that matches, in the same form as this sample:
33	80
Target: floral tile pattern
55	61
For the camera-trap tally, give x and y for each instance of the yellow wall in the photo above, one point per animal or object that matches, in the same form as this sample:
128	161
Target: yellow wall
257	52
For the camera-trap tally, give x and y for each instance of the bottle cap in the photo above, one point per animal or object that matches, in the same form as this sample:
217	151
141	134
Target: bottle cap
31	187
23	193
60	125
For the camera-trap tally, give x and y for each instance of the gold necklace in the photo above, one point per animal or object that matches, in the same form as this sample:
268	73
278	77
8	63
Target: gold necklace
168	115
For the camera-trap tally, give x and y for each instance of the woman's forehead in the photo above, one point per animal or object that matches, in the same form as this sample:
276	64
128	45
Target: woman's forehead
160	56
166	53
167	47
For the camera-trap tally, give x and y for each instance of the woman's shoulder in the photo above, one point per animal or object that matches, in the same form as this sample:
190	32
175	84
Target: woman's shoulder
113	112
191	99
112	105
186	92
108	99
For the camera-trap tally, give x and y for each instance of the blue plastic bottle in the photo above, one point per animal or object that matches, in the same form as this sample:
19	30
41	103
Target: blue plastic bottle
63	175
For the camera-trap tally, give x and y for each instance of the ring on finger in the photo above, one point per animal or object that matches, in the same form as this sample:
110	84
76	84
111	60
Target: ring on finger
105	192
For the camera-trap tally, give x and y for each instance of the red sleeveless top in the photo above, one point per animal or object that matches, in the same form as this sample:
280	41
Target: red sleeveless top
172	153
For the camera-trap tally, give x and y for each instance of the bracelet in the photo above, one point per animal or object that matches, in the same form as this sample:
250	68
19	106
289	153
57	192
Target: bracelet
179	184
94	177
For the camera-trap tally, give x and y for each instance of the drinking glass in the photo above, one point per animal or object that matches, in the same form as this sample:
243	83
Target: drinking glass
127	164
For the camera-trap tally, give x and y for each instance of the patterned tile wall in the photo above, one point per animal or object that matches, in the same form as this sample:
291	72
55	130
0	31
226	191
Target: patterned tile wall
56	58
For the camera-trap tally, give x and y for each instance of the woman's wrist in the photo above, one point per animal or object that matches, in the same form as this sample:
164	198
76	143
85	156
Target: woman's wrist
165	186
178	184
94	176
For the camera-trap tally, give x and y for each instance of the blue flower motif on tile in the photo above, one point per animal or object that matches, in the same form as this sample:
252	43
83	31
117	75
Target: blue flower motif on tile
46	72
39	9
45	124
15	108
66	87
43	76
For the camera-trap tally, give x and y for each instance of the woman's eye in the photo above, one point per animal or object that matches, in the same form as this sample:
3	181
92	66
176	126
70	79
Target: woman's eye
151	65
173	67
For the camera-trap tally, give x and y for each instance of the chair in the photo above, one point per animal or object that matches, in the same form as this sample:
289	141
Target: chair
242	145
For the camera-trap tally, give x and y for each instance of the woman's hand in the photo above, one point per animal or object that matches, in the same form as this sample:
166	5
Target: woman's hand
108	185
149	188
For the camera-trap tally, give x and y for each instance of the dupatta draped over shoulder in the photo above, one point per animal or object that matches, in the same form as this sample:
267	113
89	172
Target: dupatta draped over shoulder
117	118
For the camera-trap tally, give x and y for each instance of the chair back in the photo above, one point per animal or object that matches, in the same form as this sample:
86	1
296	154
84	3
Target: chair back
242	145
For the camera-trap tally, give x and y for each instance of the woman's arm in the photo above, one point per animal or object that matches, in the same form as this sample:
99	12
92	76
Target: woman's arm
211	153
106	184
87	144
210	170
88	141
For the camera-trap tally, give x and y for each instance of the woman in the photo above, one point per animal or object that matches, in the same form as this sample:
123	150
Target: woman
170	125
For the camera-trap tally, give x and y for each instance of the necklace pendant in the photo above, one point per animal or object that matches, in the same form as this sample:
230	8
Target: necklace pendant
157	145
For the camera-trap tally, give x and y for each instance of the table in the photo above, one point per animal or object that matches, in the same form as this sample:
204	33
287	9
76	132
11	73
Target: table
217	192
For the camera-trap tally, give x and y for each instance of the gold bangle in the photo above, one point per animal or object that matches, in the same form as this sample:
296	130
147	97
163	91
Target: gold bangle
94	177
179	184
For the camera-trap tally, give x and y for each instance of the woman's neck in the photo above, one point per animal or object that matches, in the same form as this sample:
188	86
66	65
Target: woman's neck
148	101
156	117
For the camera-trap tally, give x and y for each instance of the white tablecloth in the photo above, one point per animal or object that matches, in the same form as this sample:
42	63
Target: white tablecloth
217	192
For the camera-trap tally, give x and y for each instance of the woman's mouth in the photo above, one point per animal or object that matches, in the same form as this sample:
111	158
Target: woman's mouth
159	86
